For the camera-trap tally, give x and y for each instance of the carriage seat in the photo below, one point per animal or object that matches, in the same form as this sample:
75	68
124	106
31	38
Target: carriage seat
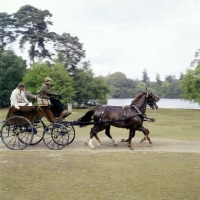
43	102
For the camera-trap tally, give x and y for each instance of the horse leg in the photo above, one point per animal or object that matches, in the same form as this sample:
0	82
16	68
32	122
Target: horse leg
131	135
123	140
87	141
107	132
98	140
93	133
146	134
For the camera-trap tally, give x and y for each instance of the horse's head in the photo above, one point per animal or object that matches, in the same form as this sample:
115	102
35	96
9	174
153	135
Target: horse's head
152	99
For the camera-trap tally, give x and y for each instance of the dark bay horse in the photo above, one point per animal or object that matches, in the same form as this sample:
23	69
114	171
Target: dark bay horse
130	117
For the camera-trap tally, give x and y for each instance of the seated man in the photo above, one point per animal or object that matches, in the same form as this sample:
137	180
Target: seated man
17	97
46	93
29	95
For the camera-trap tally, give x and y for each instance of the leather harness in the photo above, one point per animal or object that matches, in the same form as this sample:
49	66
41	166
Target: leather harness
125	118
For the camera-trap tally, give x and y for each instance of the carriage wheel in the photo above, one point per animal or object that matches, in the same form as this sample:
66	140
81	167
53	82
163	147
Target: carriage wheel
70	129
56	136
71	133
17	133
38	130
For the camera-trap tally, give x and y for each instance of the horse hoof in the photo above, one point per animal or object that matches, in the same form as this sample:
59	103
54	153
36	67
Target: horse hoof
86	143
116	144
123	140
150	142
92	148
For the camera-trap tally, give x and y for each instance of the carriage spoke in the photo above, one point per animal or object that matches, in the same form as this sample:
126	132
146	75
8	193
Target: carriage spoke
19	143
17	133
38	129
11	139
14	142
55	136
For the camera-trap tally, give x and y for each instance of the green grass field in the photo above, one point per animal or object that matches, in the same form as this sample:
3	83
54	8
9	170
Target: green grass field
50	175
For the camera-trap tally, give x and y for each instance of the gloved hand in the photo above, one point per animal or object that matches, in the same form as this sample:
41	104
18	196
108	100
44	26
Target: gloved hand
59	96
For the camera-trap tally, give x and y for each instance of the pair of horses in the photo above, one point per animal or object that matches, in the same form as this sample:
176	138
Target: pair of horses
130	117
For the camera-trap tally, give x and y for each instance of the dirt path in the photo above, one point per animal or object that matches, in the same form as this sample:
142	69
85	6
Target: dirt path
159	145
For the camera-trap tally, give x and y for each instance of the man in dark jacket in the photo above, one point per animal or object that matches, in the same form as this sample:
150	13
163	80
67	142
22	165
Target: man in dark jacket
29	95
46	93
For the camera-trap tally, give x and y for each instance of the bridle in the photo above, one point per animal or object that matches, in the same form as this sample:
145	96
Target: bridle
155	99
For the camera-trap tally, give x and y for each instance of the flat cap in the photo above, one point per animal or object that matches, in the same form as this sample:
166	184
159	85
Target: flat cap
48	79
21	85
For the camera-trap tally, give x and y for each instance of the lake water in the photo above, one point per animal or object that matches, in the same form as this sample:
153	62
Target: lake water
163	103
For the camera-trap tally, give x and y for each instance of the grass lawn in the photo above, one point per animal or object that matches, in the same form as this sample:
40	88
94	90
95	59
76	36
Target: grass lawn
50	175
180	124
60	175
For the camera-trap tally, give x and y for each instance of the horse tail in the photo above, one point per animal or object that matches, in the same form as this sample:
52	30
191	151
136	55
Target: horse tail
87	117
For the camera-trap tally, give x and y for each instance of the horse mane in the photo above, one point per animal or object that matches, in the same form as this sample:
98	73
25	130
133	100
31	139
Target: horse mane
137	97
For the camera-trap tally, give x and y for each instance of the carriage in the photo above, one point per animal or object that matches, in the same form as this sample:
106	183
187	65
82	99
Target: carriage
26	127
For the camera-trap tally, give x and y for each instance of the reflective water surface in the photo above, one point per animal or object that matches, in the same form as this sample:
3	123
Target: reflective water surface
163	103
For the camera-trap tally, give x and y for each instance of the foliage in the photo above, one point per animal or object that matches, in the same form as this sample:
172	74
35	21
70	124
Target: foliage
158	79
62	82
32	28
7	34
191	85
191	81
122	87
70	51
87	86
170	78
12	71
32	25
196	60
145	77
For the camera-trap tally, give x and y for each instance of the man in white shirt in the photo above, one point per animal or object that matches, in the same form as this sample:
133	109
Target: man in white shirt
17	97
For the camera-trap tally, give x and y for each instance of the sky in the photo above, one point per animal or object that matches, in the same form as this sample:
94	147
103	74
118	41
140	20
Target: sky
128	36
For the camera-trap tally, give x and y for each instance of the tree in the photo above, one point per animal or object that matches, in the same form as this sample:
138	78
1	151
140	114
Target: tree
101	89
145	77
170	78
87	86
158	79
12	71
118	84
191	85
7	34
196	60
32	25
181	76
191	81
70	51
141	87
174	90
62	82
